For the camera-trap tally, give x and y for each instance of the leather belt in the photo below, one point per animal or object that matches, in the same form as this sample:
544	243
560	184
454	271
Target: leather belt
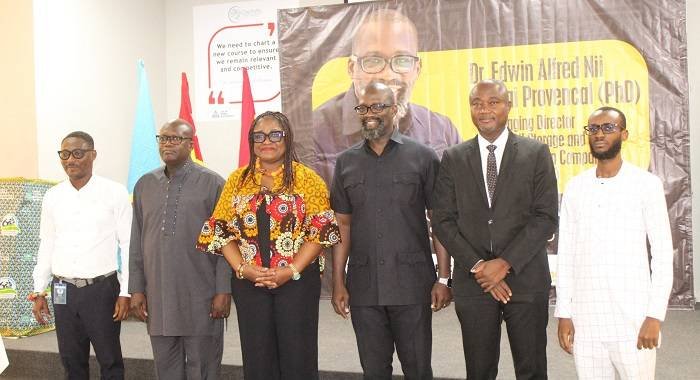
82	282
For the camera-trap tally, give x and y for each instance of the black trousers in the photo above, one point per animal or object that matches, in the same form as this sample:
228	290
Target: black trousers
526	317
87	318
279	327
379	328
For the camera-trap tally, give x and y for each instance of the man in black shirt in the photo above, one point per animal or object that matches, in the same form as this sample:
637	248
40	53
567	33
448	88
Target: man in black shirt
381	190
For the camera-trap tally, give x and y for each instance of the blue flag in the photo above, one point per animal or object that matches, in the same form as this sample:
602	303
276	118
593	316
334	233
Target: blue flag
144	148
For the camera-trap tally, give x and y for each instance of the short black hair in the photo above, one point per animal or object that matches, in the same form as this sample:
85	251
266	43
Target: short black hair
83	136
608	109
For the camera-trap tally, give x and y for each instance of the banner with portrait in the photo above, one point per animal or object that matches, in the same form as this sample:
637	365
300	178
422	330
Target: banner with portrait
559	59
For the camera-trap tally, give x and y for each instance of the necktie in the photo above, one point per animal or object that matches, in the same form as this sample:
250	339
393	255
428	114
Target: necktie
491	171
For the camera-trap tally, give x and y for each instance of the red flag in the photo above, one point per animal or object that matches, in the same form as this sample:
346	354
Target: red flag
247	117
186	114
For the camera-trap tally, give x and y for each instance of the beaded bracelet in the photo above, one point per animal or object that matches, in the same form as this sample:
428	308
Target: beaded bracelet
34	295
239	271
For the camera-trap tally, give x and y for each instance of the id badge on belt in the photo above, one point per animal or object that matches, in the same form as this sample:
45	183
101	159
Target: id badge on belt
59	293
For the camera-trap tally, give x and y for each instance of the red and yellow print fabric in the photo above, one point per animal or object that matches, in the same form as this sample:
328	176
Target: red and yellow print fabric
297	216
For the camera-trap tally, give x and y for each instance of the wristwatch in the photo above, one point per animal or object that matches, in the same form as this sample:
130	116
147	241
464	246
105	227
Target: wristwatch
445	281
295	273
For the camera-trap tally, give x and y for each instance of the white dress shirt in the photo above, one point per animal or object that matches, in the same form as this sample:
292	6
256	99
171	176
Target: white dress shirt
500	144
603	277
81	231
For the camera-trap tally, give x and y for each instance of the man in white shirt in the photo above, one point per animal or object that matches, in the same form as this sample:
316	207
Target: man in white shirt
606	296
84	221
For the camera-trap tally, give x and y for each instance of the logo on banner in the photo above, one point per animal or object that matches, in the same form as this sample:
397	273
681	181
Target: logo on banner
9	225
236	13
8	288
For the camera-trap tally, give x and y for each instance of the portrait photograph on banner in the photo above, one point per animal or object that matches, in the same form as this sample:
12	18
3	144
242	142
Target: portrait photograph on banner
560	61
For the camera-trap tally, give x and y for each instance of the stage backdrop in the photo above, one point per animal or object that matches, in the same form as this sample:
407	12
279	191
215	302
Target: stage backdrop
561	59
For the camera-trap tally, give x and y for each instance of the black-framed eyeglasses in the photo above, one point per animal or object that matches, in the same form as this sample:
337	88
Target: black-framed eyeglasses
375	108
175	140
607	128
76	153
373	64
273	136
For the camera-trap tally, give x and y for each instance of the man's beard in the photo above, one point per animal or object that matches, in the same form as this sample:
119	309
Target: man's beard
608	154
373	133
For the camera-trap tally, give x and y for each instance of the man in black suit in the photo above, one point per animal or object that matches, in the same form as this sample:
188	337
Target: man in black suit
495	207
381	190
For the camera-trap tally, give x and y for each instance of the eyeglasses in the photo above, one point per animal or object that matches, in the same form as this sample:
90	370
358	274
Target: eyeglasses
76	153
373	64
607	128
375	108
273	136
175	140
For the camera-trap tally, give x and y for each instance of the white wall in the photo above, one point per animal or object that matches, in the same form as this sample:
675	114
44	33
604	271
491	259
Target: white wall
17	99
86	54
86	79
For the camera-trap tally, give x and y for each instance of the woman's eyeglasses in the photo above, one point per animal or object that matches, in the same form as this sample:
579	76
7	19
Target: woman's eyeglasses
273	136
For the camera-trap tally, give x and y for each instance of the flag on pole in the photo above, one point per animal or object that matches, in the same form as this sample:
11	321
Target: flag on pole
247	117
186	114
144	148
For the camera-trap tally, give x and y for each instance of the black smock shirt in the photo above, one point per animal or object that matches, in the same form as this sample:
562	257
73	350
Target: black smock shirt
387	195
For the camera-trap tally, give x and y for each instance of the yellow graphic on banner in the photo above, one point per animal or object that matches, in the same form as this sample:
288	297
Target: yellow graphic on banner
553	88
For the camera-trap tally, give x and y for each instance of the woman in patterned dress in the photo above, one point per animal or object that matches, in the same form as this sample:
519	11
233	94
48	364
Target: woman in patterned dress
271	223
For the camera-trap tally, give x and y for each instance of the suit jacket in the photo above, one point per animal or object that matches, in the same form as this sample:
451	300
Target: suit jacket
516	228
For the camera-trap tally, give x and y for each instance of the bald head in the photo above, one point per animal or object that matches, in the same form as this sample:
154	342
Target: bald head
180	125
379	91
492	84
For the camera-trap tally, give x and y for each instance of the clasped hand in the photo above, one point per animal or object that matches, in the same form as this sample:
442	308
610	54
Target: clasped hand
490	276
489	273
270	278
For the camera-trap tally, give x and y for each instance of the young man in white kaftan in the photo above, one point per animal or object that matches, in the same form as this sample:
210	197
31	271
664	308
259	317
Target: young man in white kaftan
610	296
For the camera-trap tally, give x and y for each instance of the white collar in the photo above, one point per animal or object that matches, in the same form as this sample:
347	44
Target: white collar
500	141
